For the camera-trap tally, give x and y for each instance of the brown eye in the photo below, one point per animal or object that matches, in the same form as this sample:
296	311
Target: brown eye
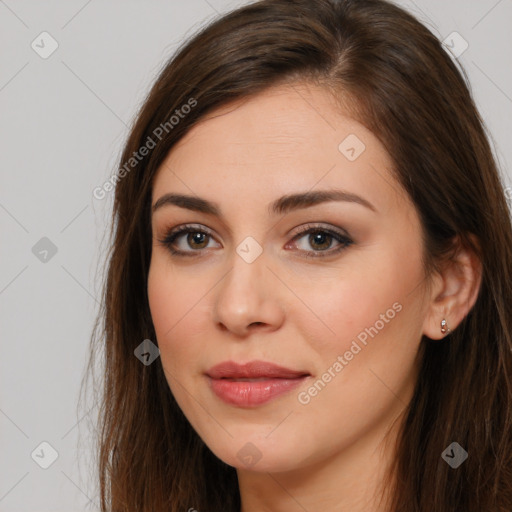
321	240
196	239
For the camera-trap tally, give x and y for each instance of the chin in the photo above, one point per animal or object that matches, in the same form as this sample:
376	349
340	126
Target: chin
257	456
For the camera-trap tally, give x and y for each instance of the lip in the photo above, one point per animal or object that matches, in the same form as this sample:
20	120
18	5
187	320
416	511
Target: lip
229	381
252	370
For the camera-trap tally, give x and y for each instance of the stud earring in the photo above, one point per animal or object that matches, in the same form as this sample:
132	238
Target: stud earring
444	326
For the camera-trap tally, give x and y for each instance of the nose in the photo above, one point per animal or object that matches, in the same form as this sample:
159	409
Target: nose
247	298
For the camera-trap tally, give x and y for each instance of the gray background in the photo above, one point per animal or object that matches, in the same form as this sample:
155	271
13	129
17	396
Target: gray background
62	125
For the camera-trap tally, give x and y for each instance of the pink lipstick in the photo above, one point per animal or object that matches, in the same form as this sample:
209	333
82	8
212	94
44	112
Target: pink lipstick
254	383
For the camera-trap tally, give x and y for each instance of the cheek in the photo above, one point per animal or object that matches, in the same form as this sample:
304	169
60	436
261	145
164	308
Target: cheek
172	295
173	302
341	306
180	305
163	302
377	301
374	317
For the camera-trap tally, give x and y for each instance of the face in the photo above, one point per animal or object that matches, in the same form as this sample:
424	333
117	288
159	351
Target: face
330	287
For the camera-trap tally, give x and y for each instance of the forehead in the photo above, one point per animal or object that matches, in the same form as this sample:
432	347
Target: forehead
288	138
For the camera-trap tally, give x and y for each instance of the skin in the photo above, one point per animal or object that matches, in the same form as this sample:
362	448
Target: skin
295	311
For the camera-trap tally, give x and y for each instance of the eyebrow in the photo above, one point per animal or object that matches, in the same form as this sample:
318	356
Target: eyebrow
280	206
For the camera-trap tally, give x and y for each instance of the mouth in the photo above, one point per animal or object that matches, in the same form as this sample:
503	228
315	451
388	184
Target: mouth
253	370
253	392
266	377
254	383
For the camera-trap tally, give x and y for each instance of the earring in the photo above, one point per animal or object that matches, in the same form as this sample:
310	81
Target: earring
444	326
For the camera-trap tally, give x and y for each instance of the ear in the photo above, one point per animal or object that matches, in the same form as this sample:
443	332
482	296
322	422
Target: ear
454	291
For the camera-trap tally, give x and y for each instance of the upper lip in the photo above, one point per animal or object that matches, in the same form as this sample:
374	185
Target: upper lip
252	370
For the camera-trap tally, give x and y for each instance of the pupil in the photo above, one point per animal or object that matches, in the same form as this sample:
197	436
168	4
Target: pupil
318	237
196	237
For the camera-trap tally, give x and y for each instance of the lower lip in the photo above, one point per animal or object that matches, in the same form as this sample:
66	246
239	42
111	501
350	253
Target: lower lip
249	394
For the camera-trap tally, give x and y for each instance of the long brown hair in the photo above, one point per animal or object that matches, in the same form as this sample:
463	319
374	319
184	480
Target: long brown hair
395	78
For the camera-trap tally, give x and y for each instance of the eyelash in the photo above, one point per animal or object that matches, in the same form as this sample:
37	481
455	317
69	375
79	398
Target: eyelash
172	234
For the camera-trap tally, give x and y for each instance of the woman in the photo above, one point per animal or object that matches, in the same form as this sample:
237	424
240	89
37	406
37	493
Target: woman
311	228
